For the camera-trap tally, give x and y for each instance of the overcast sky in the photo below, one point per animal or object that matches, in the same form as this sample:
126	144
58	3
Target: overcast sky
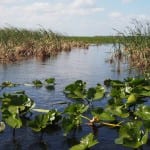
74	17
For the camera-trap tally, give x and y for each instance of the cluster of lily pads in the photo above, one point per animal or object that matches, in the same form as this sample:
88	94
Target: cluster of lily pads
127	109
49	83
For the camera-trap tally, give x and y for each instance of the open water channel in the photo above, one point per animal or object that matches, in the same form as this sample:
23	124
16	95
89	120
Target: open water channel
89	65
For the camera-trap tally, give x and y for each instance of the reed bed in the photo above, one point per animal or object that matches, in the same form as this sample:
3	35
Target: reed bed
136	44
93	39
20	43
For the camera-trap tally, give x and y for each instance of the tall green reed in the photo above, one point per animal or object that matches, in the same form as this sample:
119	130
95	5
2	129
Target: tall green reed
20	41
136	42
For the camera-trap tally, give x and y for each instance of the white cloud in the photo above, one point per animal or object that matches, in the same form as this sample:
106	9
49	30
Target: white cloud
115	14
83	12
77	7
6	2
57	16
82	3
74	17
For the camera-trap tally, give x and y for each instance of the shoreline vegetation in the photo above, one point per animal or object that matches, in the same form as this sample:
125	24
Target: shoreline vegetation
125	113
133	44
135	40
126	106
19	43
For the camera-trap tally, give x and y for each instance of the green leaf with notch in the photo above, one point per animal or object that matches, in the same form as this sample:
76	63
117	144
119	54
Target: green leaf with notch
132	135
86	142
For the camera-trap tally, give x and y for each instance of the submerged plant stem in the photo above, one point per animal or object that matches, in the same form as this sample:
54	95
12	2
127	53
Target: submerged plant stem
110	124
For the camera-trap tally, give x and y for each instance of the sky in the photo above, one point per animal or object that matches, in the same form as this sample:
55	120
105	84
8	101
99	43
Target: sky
74	17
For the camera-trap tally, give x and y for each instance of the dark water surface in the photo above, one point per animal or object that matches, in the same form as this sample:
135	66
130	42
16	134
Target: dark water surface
88	65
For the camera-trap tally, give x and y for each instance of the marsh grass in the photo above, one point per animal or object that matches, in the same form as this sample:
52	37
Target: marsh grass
135	41
19	43
16	43
93	39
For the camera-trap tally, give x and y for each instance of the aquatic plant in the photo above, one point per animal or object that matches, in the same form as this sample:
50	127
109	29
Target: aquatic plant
2	126
126	109
86	40
136	44
14	106
77	90
37	83
19	43
86	142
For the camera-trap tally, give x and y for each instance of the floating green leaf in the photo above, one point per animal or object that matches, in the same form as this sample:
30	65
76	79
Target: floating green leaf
95	93
122	105
143	111
68	124
107	82
86	142
132	135
76	90
39	122
115	93
132	98
119	111
2	126
135	81
144	93
37	83
14	121
50	81
76	109
8	84
14	106
42	121
102	115
73	116
117	83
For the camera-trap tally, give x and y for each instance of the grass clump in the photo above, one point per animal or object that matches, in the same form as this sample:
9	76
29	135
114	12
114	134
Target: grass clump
16	43
136	43
92	39
19	43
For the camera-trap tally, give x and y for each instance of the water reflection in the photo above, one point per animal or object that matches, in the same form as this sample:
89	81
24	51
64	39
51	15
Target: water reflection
39	146
87	65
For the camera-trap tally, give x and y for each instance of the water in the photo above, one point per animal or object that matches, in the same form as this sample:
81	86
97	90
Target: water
88	65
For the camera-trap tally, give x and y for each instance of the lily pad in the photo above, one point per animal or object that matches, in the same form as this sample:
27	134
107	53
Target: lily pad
132	135
85	143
